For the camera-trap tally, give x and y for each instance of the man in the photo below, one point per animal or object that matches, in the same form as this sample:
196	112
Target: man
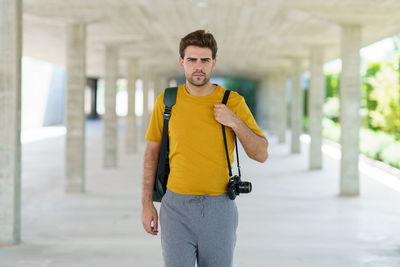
197	218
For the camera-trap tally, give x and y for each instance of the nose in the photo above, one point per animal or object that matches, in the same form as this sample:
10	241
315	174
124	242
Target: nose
198	65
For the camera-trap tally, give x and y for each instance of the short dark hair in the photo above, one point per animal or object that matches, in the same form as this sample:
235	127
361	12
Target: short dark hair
199	38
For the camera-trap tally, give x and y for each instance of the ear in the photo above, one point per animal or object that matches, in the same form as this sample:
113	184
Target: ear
214	61
181	63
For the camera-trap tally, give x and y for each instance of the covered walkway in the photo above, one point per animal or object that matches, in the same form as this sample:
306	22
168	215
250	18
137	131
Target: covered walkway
270	42
294	217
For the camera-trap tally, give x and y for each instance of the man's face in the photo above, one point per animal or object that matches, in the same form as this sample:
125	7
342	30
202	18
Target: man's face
197	65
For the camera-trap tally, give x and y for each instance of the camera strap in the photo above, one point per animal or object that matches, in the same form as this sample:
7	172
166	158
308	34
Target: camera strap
224	101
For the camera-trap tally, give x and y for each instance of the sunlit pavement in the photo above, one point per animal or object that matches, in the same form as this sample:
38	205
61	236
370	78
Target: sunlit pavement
293	217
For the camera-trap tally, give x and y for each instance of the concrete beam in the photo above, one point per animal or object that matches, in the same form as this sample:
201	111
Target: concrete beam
131	129
350	97
110	116
316	96
10	121
75	108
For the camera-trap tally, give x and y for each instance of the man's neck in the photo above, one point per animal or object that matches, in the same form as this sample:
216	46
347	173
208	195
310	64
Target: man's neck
204	90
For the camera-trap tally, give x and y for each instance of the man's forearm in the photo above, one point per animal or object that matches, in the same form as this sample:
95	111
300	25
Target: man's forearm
149	171
256	146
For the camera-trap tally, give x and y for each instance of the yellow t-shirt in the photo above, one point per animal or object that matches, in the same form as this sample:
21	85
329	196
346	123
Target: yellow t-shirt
197	153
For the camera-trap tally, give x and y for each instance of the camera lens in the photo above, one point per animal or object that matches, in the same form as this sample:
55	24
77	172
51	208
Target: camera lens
244	187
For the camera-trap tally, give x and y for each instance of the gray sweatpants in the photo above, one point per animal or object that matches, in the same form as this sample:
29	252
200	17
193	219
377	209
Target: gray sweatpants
198	227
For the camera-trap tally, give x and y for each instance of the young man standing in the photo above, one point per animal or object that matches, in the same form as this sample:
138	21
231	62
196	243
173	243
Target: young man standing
197	218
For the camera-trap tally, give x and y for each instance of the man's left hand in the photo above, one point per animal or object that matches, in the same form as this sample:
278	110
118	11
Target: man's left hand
224	115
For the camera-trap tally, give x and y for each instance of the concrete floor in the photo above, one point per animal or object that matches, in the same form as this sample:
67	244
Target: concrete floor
294	217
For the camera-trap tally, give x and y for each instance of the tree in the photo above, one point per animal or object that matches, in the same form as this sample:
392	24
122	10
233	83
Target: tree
332	84
369	104
386	115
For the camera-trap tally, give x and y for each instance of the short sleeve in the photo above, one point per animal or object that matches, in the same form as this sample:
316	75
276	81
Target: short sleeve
244	113
154	132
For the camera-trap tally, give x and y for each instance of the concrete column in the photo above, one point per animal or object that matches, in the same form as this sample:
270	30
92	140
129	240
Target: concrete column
151	88
157	86
163	83
281	107
262	105
10	121
75	108
272	105
110	116
172	83
350	96
146	113
267	104
316	96
296	107
131	129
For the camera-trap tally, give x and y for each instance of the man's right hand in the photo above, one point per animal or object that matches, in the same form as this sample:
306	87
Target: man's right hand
150	219
149	212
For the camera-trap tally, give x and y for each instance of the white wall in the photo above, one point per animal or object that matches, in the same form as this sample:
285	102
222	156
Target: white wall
43	93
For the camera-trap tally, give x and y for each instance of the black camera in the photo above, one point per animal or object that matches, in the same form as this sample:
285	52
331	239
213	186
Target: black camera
236	186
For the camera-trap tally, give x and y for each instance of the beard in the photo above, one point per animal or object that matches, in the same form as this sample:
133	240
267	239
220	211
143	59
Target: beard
198	81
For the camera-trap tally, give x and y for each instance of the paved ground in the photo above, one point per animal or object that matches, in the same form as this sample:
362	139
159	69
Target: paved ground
294	217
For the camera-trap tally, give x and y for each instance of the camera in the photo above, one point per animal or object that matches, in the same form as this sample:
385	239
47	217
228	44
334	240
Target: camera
236	186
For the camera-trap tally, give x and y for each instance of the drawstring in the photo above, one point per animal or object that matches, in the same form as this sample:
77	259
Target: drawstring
200	199
202	205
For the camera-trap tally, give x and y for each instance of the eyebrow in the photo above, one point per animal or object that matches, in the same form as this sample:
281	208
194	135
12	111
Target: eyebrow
203	58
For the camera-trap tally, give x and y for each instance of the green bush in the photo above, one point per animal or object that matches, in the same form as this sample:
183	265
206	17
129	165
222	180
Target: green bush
246	88
377	145
305	123
368	104
331	130
373	143
391	155
331	108
332	84
384	110
380	110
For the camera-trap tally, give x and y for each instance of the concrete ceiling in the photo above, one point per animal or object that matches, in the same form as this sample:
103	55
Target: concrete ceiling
254	37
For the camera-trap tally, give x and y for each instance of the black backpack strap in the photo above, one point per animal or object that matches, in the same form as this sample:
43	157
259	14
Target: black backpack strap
226	96
169	101
170	96
224	101
163	160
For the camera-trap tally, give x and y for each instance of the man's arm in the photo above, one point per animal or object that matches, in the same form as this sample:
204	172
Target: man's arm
256	146
149	212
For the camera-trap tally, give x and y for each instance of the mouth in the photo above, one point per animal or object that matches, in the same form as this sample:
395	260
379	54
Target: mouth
198	75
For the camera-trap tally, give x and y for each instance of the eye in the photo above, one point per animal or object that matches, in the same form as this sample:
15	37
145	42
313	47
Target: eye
205	60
